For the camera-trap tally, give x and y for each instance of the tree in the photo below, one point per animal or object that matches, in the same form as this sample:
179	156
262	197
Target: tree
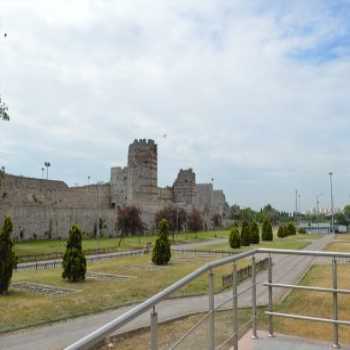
195	222
3	111
291	230
74	262
267	234
245	234
347	212
282	231
216	220
254	237
234	238
129	221
161	252
8	260
177	218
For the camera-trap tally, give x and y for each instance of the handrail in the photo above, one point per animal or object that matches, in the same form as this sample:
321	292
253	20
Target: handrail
95	337
99	334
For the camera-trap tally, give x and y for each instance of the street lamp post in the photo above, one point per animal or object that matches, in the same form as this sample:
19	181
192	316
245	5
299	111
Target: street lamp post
332	201
47	165
42	172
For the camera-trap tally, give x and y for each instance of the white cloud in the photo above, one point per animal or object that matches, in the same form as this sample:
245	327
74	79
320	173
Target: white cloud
84	78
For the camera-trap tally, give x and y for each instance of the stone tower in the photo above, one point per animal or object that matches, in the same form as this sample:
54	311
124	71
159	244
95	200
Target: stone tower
185	187
142	171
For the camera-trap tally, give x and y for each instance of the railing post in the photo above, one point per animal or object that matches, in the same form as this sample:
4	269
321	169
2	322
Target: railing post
254	332
211	325
335	304
235	307
270	295
154	329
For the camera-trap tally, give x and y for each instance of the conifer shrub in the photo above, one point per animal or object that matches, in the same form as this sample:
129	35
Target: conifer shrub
161	251
267	234
245	234
8	260
254	237
302	231
74	262
234	238
282	231
291	230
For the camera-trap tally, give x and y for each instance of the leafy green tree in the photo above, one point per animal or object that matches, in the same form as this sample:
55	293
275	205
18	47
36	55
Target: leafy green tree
346	212
267	234
291	230
8	260
254	237
234	238
3	111
74	262
282	231
161	252
245	234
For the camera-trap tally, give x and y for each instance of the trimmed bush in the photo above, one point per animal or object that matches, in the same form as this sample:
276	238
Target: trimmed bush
282	231
74	262
291	230
245	234
235	239
8	260
161	252
267	234
254	237
302	231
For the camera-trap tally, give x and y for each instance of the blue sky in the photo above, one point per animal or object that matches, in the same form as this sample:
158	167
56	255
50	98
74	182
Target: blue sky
252	93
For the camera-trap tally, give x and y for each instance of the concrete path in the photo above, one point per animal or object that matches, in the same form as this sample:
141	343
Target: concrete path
288	269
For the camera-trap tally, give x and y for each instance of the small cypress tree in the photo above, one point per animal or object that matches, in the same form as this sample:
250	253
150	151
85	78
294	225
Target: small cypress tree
254	233
234	239
282	231
291	230
161	252
8	260
74	262
245	234
267	234
302	231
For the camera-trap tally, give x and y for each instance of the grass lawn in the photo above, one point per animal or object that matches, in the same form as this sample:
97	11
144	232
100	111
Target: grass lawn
339	247
317	304
171	331
292	242
44	249
22	309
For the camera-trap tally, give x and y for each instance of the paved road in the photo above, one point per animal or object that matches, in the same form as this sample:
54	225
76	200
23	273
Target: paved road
288	269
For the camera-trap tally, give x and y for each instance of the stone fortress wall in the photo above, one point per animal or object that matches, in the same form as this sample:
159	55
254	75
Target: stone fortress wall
47	208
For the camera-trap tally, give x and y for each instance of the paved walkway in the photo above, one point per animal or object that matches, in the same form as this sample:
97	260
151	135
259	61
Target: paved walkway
288	269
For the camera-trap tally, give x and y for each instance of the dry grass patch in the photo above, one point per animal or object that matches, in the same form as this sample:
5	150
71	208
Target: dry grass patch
22	309
316	304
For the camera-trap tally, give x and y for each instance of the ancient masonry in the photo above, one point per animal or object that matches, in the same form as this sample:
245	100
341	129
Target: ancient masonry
47	208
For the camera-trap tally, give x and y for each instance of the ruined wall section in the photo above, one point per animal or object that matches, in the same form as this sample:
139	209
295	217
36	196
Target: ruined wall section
47	208
185	187
119	186
142	172
218	203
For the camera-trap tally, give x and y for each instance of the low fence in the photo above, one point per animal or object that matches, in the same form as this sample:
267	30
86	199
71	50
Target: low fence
204	251
244	273
52	264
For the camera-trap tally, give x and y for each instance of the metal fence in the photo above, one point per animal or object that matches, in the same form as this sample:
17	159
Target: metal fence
152	304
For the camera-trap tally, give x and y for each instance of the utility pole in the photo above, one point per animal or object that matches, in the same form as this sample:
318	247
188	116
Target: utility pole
296	205
332	201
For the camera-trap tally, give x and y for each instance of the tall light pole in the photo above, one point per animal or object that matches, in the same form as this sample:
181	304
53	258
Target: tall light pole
47	165
332	202
42	172
296	204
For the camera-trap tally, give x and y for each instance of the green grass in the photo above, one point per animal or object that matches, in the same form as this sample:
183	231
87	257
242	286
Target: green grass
24	309
43	249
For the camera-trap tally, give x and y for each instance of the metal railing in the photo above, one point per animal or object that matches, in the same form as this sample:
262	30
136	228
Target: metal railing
91	340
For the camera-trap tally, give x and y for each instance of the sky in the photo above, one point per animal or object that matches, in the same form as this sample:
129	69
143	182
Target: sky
255	94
